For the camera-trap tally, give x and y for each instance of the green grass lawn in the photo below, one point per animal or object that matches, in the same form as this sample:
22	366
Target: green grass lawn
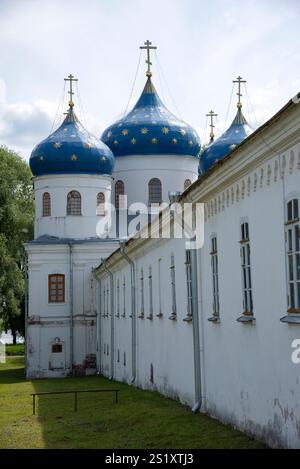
141	419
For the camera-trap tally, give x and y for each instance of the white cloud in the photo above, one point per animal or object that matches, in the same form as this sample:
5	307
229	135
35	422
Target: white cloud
201	47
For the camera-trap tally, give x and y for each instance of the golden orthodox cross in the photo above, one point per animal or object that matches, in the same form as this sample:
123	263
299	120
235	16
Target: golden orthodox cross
239	81
148	46
211	114
71	79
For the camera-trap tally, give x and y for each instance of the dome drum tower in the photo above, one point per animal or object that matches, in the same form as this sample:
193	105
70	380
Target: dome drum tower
155	151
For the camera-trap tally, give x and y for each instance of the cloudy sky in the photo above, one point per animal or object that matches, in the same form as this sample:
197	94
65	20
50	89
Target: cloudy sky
202	47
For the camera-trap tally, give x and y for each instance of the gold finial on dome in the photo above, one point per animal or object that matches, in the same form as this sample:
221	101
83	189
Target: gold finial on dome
239	81
70	79
212	114
148	46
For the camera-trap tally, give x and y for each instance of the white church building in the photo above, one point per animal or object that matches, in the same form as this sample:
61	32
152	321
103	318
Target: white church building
214	324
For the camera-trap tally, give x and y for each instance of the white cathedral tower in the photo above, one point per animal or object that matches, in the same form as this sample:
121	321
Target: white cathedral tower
72	181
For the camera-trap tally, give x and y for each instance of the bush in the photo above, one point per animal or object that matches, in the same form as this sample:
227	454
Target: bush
13	350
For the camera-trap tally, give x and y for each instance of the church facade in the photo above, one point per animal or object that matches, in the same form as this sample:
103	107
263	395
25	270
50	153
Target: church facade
216	326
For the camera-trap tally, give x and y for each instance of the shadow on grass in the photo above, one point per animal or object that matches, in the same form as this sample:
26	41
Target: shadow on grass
12	371
141	419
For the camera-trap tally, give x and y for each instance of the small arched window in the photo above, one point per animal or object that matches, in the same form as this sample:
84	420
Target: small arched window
74	203
46	204
187	184
119	190
155	191
100	204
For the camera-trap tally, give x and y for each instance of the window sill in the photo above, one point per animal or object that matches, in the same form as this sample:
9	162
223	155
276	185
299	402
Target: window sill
188	318
141	316
160	315
247	318
291	319
291	222
117	316
173	317
150	317
215	319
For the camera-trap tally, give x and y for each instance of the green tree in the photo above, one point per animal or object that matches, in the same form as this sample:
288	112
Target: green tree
16	227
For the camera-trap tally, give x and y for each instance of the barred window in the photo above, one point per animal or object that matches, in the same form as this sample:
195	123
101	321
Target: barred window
100	204
246	269
293	255
119	191
155	191
56	288
46	204
187	184
57	348
74	203
215	275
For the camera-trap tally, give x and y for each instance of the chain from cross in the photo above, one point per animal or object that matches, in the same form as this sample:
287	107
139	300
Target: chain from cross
148	46
239	81
71	79
212	114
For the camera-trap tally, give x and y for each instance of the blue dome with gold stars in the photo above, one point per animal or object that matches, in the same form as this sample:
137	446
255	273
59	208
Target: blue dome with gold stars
71	149
151	129
217	150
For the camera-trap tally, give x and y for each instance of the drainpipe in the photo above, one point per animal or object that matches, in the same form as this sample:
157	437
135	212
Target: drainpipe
112	318
133	308
71	308
26	310
196	333
98	322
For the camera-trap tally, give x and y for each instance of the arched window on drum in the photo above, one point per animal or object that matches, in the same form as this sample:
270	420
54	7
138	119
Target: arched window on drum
74	203
100	204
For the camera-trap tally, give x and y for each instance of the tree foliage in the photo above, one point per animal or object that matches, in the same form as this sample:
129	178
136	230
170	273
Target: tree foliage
16	227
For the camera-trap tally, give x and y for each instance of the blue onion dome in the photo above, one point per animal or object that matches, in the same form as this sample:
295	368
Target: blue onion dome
217	150
71	149
151	129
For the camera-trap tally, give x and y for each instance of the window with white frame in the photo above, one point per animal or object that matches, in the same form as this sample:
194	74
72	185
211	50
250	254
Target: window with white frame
246	269
142	296
46	204
74	203
150	294
215	275
173	287
155	191
293	255
100	209
119	193
188	273
187	184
